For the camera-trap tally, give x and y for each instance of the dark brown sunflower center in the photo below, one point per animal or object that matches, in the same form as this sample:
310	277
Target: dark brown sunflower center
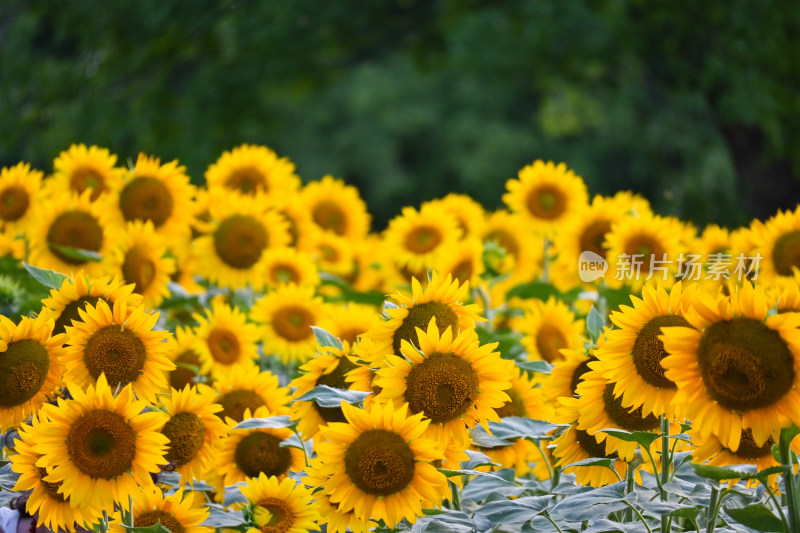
549	341
744	364
329	216
182	376
116	351
645	247
186	434
463	270
261	452
590	444
247	180
23	370
74	229
101	444
623	417
786	253
14	202
443	387
239	241
150	518
70	312
146	198
504	239
224	346
648	350
284	273
87	178
50	488
293	323
350	335
281	516
379	462
237	401
593	237
577	374
419	316
749	450
516	407
423	239
139	268
546	201
335	379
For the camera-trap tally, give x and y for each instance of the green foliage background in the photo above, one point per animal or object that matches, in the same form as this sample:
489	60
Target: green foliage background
693	104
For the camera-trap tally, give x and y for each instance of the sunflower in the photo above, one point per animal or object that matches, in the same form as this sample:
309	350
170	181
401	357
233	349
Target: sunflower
548	327
335	521
567	373
736	367
631	355
120	344
463	260
225	339
245	393
252	170
286	316
334	254
378	465
55	511
101	448
280	506
193	430
141	257
19	186
232	254
778	242
520	252
546	194
415	237
177	512
79	168
247	453
72	222
577	445
182	350
303	232
348	321
337	207
288	265
451	379
469	214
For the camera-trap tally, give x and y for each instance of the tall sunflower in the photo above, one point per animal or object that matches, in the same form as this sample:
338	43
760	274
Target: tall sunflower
736	368
176	512
19	186
547	328
378	465
244	393
101	448
121	345
253	170
280	505
414	237
248	453
79	169
337	207
141	257
225	339
286	316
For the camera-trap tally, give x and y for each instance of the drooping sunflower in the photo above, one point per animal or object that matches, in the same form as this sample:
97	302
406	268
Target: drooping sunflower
415	237
546	194
232	254
736	368
288	265
247	453
225	339
548	327
378	464
182	350
337	207
349	321
101	448
19	186
31	367
280	506
470	216
286	316
577	445
79	168
245	393
193	430
120	344
463	260
253	170
335	521
141	257
778	242
176	512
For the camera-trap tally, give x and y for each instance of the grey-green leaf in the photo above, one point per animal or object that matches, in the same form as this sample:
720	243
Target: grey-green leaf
49	278
595	322
78	254
326	396
326	339
541	367
643	438
272	422
756	516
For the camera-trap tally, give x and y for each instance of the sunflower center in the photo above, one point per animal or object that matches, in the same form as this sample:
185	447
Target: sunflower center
261	452
284	273
236	402
648	350
247	180
23	370
182	376
516	407
293	323
547	202
139	268
50	488
748	449
223	345
150	518
87	178
118	352
70	312
280	515
101	444
463	270
645	247
443	387
14	202
419	316
74	229
590	444
504	239
423	239
379	462
786	253
549	341
744	364
625	418
239	241
577	374
335	379
593	237
186	434
146	198
328	215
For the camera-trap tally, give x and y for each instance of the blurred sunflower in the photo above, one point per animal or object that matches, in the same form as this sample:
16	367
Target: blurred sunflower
176	512
31	367
109	444
778	242
141	257
288	265
337	207
463	260
469	214
286	316
181	350
736	367
547	328
303	232
253	170
280	505
512	249
224	339
378	464
334	254
79	168
19	187
120	344
577	445
248	453
348	321
415	237
245	393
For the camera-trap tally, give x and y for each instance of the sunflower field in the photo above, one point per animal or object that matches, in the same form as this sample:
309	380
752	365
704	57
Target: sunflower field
249	355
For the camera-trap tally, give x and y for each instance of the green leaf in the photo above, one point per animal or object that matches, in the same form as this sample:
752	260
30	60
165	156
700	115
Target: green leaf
475	460
517	427
643	438
719	473
594	461
485	440
595	322
326	396
272	422
537	289
219	517
756	516
686	512
516	511
77	254
48	278
155	528
325	339
541	367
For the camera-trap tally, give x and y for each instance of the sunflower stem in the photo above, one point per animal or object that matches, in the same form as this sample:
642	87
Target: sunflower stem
777	505
666	464
553	474
546	261
638	514
630	482
547	515
456	496
789	480
713	508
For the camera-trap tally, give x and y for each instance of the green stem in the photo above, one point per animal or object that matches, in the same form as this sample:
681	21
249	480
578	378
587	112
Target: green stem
630	479
666	463
550	471
546	515
777	504
635	510
456	496
713	507
655	467
789	480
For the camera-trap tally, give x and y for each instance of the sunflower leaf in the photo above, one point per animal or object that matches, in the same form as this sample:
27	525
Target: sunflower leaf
326	396
219	517
158	527
756	516
595	322
326	339
476	459
78	254
48	278
719	473
594	504
541	367
483	439
594	461
517	427
536	289
643	438
271	422
516	511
